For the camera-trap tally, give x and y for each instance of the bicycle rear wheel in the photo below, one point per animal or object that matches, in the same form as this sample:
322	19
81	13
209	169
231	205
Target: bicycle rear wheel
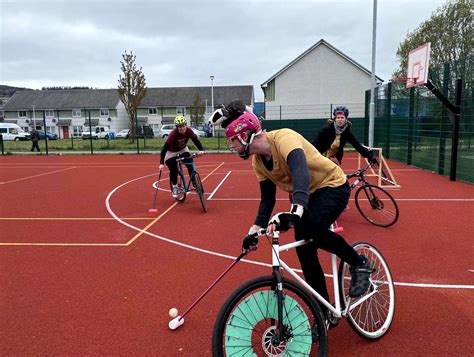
248	321
376	205
200	191
373	317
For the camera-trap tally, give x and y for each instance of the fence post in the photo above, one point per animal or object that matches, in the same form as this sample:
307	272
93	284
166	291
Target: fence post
455	140
136	132
444	121
45	136
90	133
410	125
1	141
366	115
388	116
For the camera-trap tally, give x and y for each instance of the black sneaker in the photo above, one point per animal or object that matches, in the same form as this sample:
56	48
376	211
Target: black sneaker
360	278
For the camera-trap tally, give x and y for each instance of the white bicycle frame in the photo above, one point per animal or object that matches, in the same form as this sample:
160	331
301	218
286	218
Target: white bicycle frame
278	262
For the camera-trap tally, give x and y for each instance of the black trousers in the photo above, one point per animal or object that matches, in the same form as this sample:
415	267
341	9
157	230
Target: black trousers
34	145
324	207
173	166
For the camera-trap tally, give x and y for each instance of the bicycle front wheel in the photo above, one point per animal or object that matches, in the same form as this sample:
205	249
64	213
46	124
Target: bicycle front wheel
247	323
181	188
376	205
200	191
373	315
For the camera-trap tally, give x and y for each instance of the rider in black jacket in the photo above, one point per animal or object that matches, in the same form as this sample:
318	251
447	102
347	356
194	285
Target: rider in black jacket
332	138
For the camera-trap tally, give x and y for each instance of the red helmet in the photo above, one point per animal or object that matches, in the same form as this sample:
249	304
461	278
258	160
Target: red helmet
247	121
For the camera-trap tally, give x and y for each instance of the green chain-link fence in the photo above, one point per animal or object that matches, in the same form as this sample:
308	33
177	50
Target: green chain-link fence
413	126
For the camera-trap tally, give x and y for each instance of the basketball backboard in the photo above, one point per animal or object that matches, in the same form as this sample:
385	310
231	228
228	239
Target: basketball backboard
418	63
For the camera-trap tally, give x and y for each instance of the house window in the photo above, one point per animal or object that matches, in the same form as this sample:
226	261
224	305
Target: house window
76	130
22	114
76	113
49	113
152	111
180	110
104	112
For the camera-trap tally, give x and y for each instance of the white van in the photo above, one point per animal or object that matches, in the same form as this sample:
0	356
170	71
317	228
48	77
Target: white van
11	131
98	132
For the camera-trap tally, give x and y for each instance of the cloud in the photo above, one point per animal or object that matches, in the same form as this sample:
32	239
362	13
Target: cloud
181	43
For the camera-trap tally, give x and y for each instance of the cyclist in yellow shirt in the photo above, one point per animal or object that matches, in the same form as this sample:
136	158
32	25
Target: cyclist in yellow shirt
318	189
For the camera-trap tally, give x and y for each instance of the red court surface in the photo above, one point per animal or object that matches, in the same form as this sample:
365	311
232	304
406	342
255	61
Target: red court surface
84	269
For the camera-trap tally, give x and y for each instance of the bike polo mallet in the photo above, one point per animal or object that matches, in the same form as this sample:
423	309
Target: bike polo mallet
154	210
179	320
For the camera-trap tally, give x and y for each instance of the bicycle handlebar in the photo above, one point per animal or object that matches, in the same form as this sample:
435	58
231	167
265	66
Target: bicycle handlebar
360	171
193	155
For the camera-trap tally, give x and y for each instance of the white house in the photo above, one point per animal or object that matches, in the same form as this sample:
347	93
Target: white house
314	82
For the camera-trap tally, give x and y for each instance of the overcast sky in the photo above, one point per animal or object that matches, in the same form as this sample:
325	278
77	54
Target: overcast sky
181	43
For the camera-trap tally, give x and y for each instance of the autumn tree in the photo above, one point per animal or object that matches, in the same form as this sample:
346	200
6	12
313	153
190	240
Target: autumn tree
450	31
131	89
197	110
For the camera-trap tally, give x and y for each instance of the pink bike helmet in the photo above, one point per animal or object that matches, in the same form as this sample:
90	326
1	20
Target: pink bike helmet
247	121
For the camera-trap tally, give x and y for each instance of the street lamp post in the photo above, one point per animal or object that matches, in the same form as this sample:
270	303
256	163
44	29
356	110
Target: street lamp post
212	93
212	99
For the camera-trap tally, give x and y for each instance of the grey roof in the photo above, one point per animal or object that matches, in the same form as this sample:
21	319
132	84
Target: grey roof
108	98
319	43
63	99
175	96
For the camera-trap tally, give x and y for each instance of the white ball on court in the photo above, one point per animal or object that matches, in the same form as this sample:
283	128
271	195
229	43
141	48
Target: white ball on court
173	312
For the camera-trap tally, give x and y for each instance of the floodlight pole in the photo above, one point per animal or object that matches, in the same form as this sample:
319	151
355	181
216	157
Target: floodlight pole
372	91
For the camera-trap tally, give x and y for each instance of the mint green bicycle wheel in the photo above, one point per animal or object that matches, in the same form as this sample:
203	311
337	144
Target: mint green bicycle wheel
248	323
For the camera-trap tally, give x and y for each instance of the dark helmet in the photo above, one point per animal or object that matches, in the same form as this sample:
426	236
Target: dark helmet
341	109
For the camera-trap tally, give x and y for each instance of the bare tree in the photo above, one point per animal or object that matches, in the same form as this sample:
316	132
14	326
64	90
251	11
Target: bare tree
131	89
197	110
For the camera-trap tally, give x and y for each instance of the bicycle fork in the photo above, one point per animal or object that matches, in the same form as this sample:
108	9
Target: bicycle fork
280	335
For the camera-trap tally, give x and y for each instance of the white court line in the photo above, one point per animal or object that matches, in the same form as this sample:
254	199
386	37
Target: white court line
352	199
28	177
219	185
205	251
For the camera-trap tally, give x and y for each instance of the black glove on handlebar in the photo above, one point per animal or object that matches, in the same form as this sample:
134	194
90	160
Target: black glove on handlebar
250	242
372	160
286	220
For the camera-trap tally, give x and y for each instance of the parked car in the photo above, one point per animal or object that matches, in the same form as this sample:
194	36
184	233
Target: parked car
166	129
123	134
145	131
204	130
10	131
51	136
98	132
199	133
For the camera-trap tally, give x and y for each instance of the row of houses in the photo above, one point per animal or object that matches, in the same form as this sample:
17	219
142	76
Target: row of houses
69	112
320	77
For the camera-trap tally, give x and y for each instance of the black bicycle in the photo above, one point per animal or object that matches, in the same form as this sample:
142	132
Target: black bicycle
374	203
194	183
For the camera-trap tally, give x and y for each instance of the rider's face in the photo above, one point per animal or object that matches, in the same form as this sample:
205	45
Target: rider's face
340	119
236	146
182	129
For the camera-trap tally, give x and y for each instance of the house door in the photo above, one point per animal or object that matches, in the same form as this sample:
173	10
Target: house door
65	132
